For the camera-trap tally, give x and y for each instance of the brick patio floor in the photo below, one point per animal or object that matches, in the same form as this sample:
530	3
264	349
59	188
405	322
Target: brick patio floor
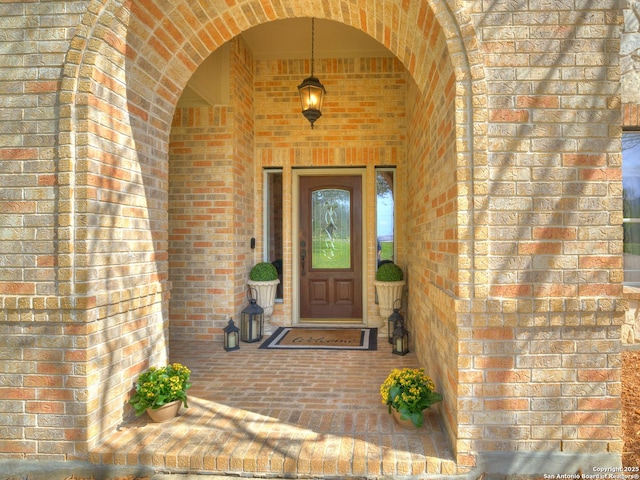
299	414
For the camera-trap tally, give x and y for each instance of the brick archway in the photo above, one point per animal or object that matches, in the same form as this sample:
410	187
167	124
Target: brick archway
122	79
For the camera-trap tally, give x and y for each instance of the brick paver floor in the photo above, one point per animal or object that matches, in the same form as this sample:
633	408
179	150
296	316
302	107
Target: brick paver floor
296	413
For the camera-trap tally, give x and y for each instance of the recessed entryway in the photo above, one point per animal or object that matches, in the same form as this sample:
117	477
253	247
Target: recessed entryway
329	263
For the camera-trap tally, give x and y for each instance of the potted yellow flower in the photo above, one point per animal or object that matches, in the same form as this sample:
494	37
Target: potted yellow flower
160	391
408	392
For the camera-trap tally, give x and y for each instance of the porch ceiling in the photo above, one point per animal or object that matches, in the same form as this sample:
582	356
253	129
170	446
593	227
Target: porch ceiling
292	39
280	39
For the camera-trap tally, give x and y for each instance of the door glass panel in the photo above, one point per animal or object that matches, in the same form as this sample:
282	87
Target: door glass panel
331	224
385	224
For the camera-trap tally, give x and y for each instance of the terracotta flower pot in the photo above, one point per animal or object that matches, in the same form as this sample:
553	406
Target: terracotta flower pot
165	412
407	424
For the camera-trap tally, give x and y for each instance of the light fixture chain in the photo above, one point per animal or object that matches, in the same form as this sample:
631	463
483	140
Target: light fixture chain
313	32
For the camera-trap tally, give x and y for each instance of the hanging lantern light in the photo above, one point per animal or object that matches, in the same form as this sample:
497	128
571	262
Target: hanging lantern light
395	319
311	90
400	340
252	322
231	336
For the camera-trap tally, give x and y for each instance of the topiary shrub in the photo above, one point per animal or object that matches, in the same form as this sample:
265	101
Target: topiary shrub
389	272
263	272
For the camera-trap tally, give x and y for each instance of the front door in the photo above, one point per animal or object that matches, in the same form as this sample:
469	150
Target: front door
330	248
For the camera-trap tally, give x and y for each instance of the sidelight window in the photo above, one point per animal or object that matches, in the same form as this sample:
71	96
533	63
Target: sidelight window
385	214
273	209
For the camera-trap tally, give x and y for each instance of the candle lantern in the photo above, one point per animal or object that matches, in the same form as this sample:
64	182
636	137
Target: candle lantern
252	322
400	340
231	336
394	320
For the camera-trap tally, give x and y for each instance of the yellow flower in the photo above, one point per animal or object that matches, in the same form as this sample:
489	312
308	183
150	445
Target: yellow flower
409	391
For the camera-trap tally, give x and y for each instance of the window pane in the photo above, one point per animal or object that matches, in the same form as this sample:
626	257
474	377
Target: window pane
273	216
631	174
632	253
331	238
631	206
385	215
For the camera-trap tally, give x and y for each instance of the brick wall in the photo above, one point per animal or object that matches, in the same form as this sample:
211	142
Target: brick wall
84	309
210	206
201	254
435	196
539	349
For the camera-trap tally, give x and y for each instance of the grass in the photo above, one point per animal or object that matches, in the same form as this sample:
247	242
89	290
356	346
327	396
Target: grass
326	257
340	256
633	248
386	251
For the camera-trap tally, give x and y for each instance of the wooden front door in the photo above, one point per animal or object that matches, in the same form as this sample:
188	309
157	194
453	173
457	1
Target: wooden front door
330	248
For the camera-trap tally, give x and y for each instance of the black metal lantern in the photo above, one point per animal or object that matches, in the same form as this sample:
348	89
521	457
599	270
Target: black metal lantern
311	90
400	340
395	319
231	336
252	321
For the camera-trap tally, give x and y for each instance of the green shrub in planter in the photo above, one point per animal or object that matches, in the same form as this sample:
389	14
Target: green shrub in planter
389	272
263	272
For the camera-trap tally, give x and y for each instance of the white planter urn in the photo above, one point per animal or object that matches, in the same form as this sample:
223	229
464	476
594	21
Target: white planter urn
388	294
265	295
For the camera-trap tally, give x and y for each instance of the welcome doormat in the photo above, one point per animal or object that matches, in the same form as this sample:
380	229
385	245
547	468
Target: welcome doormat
298	338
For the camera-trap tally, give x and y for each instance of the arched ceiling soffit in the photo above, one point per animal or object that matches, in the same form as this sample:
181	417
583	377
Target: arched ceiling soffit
416	31
160	43
171	39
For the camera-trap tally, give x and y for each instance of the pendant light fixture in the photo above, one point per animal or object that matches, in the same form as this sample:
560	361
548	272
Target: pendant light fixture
311	90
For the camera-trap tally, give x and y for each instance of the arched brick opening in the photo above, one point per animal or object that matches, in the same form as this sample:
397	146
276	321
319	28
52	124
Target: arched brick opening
123	77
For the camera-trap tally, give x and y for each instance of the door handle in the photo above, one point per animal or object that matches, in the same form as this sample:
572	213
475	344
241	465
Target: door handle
303	255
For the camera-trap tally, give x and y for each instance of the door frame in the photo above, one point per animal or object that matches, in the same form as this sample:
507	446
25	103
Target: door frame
295	233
